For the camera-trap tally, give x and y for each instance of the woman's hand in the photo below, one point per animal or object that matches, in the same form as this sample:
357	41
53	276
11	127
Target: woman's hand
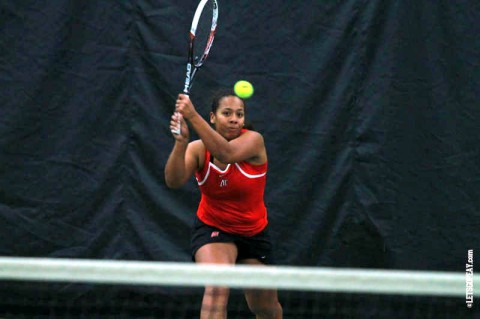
177	120
184	106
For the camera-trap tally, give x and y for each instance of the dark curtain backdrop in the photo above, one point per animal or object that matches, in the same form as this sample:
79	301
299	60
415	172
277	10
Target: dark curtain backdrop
370	111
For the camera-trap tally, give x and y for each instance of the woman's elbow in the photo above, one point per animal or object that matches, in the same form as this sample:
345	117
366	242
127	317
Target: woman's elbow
172	184
224	157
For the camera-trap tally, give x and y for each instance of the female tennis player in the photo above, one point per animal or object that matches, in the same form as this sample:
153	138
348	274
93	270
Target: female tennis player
230	166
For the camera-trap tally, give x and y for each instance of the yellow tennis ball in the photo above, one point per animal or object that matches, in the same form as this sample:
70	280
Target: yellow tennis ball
243	89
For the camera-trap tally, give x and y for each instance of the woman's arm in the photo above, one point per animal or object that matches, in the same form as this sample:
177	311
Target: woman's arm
184	158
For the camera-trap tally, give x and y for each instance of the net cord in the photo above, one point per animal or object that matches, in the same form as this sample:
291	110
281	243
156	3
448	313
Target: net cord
240	276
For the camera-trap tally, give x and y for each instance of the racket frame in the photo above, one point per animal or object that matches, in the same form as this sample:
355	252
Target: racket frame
194	64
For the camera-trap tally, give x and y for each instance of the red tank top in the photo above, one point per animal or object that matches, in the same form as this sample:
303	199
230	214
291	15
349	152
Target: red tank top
232	199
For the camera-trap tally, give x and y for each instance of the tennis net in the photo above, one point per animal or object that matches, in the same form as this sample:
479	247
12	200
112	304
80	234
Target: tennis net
79	288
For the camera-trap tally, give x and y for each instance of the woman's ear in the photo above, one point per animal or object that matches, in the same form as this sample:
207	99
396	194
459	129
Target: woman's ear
212	118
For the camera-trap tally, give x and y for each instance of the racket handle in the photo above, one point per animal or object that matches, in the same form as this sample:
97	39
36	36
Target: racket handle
178	128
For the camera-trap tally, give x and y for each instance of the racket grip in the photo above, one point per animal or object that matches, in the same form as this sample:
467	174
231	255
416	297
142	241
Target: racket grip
177	129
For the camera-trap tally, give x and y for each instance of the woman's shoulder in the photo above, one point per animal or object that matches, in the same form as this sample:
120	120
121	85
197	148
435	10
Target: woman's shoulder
198	149
256	139
197	144
256	134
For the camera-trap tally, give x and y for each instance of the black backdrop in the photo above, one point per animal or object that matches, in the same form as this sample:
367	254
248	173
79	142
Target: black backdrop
370	111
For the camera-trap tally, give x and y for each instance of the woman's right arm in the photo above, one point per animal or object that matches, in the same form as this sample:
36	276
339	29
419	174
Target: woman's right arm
183	160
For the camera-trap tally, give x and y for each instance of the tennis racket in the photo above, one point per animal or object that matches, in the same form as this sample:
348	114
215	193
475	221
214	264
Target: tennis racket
202	33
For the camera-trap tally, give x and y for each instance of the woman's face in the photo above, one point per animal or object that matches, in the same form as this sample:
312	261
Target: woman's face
229	117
